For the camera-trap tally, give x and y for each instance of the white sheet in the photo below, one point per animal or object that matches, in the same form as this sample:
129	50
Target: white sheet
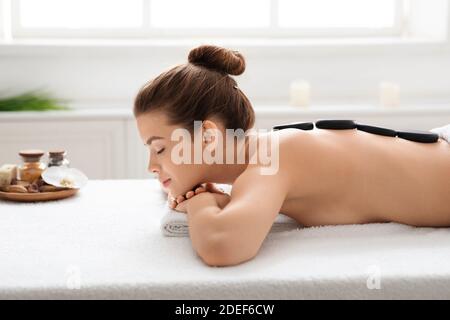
107	241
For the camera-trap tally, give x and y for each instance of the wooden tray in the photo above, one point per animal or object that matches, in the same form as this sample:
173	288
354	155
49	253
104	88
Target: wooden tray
38	196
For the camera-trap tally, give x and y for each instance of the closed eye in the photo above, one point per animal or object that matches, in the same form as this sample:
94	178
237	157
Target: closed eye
160	151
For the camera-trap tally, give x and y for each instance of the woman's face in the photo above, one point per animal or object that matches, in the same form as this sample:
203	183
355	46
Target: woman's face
155	132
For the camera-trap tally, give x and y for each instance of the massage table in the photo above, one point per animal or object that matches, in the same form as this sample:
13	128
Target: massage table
106	243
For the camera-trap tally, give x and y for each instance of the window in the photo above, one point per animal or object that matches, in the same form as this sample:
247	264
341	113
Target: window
79	14
337	14
230	14
153	18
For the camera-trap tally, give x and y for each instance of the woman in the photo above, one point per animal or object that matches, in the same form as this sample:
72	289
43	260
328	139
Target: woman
322	176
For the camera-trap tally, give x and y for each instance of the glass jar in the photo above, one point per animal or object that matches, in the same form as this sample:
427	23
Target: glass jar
57	158
32	167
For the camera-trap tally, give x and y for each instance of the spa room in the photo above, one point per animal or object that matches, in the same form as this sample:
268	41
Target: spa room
224	150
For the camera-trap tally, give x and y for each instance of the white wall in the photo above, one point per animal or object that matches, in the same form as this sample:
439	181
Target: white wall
110	75
98	73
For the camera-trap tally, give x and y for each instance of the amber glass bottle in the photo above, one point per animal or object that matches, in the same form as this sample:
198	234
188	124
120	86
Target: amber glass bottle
32	167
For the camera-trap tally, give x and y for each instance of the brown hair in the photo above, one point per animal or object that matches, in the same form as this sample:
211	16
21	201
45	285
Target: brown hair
200	89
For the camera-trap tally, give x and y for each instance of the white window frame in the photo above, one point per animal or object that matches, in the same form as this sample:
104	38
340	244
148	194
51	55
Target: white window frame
273	31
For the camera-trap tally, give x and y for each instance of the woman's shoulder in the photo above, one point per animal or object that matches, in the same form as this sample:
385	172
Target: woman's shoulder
276	152
293	142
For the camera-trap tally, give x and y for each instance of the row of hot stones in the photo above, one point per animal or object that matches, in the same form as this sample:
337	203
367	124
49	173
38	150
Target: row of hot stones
412	135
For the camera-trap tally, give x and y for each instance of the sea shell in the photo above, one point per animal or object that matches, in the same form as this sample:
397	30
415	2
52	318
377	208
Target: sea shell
64	177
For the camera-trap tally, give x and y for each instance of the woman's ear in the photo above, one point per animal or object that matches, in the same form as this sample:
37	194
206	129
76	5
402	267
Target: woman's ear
210	136
207	136
212	142
209	129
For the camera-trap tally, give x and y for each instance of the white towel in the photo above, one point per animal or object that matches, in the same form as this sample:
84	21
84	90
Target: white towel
175	224
443	132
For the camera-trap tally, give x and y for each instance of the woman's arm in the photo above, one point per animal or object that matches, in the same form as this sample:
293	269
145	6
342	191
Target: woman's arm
202	211
235	233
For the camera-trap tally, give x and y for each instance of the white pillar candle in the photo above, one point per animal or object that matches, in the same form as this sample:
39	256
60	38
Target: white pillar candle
389	94
300	93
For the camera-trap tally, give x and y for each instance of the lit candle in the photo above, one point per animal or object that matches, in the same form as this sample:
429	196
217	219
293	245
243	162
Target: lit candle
389	94
300	93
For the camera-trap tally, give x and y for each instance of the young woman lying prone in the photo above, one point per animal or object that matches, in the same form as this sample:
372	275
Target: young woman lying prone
318	177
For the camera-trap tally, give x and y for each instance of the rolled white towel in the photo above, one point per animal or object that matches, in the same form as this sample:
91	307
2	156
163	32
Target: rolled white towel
443	132
175	224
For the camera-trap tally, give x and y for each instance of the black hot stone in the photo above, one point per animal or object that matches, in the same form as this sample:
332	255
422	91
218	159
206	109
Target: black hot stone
336	124
418	136
295	125
376	130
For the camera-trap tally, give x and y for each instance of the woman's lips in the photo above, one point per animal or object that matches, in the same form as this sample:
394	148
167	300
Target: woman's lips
166	183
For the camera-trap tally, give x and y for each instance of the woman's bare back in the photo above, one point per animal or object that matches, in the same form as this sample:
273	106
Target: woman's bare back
351	176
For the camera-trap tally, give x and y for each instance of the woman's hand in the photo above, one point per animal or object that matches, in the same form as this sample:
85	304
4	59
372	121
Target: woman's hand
175	201
180	203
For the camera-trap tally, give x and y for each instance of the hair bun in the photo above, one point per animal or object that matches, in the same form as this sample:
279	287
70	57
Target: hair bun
218	58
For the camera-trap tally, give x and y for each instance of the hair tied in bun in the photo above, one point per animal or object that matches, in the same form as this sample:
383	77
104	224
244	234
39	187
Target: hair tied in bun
217	58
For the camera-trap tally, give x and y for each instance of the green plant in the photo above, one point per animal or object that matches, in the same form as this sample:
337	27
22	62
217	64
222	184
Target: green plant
31	101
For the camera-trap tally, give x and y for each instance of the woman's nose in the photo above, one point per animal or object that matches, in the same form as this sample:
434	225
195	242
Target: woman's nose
153	168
